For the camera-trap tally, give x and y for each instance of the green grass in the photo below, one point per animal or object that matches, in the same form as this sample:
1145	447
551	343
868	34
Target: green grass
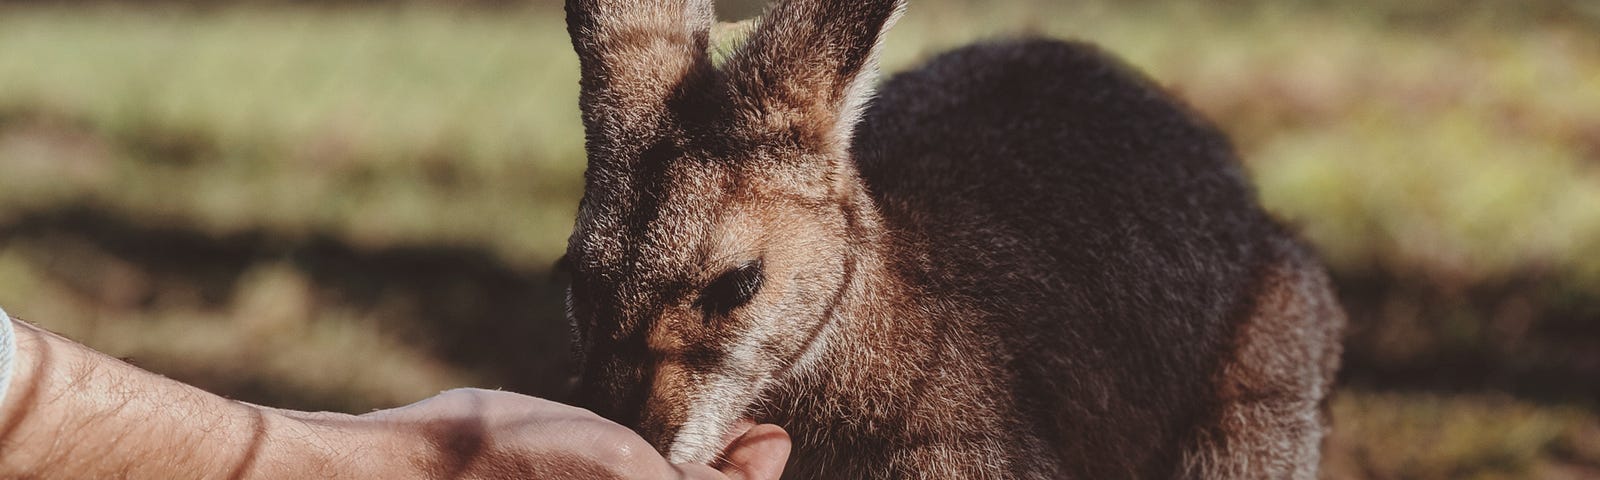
1465	151
270	340
386	127
1450	437
1444	157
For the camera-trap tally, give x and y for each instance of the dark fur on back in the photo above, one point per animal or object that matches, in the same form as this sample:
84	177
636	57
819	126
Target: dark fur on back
1123	221
1026	260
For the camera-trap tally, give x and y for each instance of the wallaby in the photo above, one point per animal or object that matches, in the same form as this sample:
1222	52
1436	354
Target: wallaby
1022	260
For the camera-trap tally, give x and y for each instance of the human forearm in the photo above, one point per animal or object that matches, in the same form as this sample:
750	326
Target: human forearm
75	413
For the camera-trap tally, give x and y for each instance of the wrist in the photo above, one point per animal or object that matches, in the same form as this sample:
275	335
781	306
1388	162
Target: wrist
296	444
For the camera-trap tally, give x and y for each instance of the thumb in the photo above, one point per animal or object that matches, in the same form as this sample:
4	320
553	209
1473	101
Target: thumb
757	455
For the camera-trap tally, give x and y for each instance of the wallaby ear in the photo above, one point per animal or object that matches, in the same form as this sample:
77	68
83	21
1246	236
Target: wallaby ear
811	64
635	56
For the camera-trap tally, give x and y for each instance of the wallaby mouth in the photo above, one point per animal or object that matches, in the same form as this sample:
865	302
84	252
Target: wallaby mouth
701	441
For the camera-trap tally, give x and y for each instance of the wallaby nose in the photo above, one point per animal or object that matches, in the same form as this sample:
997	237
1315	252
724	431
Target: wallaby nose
657	429
666	405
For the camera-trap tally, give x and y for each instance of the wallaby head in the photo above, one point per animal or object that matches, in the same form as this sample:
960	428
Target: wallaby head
718	220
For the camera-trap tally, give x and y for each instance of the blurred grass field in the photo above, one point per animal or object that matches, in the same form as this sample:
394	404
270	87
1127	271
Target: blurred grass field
355	206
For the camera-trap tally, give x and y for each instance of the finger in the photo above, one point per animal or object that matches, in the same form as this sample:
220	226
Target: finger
695	471
758	455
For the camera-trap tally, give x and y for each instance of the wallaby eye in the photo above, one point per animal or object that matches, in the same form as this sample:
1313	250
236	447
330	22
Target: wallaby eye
732	290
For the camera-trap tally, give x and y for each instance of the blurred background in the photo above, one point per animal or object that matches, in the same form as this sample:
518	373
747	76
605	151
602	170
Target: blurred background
354	205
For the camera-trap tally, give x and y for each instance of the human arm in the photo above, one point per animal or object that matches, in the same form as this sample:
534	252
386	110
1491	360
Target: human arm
72	412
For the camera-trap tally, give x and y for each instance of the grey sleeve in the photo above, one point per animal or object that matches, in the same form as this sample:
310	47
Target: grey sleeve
8	353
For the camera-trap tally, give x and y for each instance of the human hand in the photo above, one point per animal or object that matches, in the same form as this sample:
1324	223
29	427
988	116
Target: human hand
470	433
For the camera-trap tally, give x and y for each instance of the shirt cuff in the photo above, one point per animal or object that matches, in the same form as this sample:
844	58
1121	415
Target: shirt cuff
8	353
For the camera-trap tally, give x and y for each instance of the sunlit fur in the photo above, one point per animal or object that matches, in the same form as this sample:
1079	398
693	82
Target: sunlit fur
1019	260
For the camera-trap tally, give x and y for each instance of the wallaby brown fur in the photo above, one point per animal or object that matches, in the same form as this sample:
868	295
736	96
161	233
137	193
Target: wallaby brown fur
1022	260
